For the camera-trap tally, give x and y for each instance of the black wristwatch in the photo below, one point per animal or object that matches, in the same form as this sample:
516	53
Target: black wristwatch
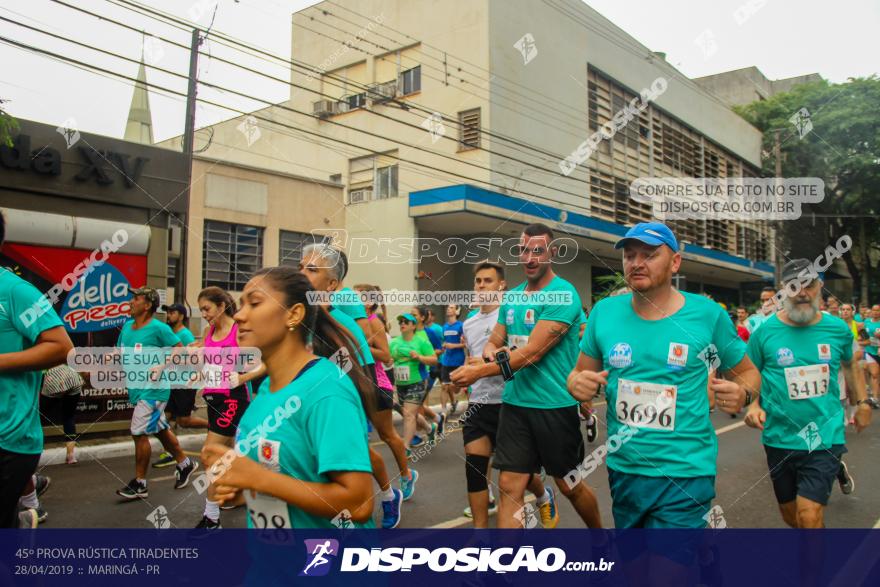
503	360
749	397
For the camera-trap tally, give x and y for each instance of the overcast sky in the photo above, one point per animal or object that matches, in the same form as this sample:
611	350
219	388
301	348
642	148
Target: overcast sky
781	37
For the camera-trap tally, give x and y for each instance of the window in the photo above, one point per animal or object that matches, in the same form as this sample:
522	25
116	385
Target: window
356	101
231	254
469	129
386	182
291	243
751	244
172	272
629	134
411	81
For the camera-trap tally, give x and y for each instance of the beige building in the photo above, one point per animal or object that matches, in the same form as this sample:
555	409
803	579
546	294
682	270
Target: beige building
747	85
242	219
450	119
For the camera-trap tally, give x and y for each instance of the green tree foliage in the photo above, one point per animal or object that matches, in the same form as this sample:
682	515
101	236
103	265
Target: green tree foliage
842	148
8	126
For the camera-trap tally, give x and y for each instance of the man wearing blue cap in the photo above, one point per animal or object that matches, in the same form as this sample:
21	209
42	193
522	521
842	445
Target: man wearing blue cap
654	349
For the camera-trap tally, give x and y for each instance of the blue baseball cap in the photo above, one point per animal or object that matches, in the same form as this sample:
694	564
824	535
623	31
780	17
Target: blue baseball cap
408	318
650	233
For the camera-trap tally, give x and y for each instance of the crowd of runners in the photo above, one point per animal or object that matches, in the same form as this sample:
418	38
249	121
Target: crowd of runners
288	439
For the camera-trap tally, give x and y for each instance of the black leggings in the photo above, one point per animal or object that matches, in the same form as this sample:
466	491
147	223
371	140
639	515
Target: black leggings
67	405
15	471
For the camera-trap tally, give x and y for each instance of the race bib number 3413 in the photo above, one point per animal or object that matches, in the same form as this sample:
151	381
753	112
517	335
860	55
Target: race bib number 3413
807	381
646	405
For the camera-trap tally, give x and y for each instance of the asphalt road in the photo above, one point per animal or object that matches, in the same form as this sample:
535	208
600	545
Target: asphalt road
82	495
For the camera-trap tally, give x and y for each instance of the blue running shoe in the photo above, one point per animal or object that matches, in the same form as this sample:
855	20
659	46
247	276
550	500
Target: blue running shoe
416	441
391	510
408	486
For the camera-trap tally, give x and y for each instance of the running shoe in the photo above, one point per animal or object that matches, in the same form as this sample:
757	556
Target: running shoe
432	435
41	483
391	510
493	509
592	428
230	506
847	483
165	460
28	518
549	513
42	515
133	490
408	486
416	441
182	474
204	528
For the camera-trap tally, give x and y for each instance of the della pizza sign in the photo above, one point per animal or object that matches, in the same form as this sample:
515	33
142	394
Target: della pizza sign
100	300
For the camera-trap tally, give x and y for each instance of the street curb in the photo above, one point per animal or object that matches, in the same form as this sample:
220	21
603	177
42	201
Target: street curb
57	456
191	442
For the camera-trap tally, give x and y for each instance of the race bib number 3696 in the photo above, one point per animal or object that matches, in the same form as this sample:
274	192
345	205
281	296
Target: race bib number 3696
646	405
807	381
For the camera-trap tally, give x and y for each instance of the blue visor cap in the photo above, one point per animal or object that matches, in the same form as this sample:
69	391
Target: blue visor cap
651	233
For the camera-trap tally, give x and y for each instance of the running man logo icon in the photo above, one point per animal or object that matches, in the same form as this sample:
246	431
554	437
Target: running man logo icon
527	48
317	553
710	357
68	130
810	434
802	121
159	518
250	129
527	516
342	360
343	520
715	518
434	125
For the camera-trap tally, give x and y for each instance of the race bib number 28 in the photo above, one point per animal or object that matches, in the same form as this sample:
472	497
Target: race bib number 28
267	512
646	405
807	381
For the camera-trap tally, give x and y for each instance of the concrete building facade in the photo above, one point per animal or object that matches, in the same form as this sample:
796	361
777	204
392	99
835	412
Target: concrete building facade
744	86
451	118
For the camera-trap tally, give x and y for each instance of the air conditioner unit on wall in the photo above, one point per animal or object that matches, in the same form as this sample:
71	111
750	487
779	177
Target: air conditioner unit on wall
174	239
325	108
363	195
383	92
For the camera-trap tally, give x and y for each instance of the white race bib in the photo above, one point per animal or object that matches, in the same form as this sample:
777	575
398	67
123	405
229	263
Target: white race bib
401	373
517	340
212	375
267	512
646	405
807	381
